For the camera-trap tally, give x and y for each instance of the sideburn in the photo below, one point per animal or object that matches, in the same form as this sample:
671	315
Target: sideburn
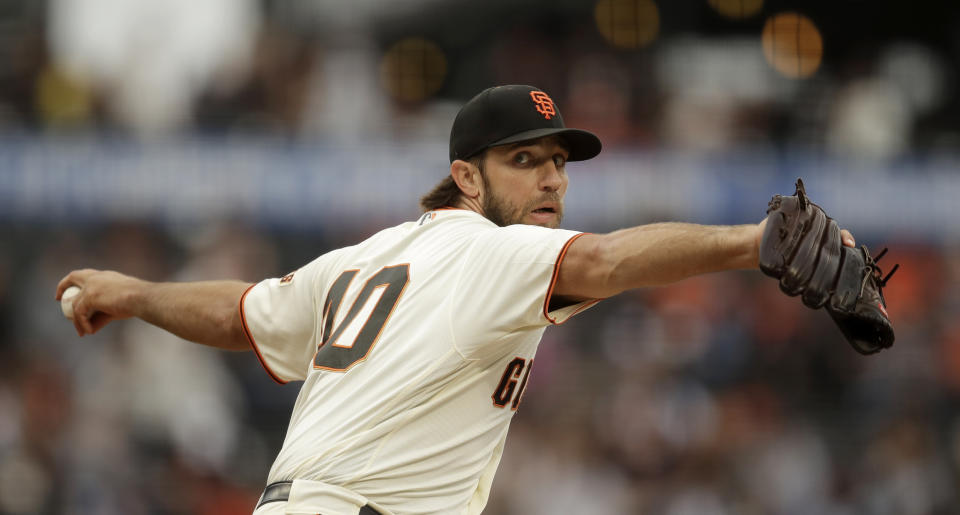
495	209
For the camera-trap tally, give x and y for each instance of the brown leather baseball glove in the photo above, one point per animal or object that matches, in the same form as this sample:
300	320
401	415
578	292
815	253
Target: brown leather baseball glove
801	247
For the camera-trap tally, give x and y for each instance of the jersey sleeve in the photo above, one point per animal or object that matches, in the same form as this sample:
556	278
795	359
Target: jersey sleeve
279	318
507	283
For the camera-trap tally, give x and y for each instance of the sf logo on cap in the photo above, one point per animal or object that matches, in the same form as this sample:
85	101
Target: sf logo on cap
544	104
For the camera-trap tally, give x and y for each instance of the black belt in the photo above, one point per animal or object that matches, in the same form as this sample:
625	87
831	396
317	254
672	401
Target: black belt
280	491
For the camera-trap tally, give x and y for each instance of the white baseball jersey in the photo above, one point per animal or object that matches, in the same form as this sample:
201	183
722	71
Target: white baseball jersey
415	347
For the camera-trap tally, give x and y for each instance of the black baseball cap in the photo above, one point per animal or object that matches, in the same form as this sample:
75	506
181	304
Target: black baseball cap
511	114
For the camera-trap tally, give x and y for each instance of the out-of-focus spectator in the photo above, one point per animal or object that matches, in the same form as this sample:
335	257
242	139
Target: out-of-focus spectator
149	59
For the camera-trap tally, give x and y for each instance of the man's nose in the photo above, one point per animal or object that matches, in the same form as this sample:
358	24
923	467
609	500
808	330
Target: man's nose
552	177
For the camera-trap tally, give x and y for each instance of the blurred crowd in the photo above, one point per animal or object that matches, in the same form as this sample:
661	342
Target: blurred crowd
310	70
717	395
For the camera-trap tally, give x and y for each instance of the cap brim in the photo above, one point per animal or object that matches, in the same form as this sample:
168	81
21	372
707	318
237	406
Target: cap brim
582	144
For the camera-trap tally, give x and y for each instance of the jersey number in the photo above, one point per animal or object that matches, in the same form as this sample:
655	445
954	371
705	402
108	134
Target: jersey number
338	353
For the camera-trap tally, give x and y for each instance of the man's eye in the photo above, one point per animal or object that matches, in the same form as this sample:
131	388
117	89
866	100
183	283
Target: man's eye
522	158
559	161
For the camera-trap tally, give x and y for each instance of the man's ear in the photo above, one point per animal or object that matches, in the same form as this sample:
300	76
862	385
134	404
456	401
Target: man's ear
467	177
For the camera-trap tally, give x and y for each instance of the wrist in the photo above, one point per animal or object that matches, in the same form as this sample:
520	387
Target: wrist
135	296
744	244
756	232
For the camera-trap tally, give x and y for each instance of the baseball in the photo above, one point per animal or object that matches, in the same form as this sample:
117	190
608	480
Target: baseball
66	301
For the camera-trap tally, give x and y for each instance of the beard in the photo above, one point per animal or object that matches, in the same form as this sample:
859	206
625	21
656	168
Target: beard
502	212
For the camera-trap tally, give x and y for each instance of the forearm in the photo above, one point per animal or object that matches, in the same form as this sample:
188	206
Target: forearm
599	266
202	312
663	253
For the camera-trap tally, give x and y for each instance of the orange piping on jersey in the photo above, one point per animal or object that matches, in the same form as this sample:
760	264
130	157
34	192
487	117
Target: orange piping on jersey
553	282
586	305
385	322
253	344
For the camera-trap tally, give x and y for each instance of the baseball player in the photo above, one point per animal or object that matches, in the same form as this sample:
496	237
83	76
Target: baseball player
415	345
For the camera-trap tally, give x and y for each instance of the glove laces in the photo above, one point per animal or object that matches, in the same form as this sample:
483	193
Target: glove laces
875	272
872	263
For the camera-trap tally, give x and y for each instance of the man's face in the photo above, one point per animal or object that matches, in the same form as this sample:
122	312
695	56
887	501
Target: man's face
524	183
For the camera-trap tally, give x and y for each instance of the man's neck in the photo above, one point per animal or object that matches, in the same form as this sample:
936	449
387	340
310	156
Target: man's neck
470	204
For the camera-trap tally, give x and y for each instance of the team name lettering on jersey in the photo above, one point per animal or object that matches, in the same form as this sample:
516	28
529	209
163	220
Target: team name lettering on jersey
508	383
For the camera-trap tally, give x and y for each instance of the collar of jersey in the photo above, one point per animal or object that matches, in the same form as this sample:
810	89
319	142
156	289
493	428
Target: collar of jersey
453	211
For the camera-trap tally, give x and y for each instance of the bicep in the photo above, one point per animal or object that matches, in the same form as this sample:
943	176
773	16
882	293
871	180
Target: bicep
585	271
599	266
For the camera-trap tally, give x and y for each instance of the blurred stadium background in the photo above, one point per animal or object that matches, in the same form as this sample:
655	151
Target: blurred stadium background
178	139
